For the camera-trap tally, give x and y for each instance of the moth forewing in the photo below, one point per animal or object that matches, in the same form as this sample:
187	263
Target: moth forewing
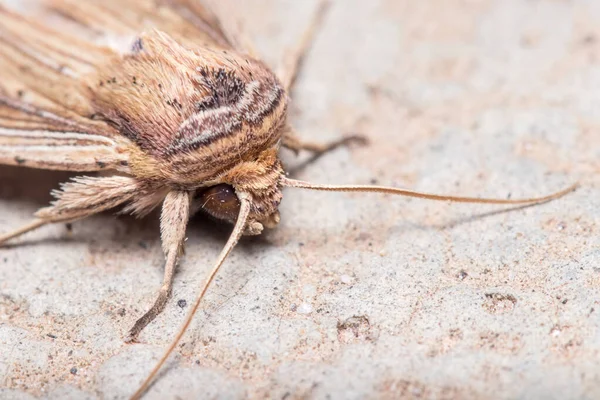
46	114
184	117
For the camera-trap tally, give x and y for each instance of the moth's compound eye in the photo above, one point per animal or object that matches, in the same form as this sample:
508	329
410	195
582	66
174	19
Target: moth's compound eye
221	202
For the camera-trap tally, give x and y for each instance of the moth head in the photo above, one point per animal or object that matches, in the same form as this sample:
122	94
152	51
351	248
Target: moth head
223	203
256	180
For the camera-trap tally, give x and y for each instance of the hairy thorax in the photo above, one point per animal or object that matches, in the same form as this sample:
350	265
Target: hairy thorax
196	118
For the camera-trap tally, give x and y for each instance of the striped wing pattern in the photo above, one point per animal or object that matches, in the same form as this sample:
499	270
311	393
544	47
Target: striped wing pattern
46	116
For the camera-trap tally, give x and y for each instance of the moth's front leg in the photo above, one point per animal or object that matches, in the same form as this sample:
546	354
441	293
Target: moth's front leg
33	225
81	198
173	223
293	142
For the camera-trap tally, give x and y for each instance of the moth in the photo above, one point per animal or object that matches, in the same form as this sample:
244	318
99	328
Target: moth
170	103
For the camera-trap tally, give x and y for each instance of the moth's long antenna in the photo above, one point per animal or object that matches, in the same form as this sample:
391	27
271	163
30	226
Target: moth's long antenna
36	223
411	193
240	225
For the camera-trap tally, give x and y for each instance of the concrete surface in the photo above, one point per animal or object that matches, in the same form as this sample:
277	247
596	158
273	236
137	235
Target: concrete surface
357	296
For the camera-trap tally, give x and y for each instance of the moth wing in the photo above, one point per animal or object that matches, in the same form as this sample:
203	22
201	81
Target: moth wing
46	114
191	22
46	118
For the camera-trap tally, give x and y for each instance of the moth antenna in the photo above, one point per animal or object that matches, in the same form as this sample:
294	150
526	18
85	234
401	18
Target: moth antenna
411	193
33	225
238	229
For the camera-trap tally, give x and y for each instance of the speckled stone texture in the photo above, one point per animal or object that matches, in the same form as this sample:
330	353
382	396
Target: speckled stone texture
356	296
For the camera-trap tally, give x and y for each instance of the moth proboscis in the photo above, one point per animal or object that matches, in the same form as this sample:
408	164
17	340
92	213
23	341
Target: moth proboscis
185	117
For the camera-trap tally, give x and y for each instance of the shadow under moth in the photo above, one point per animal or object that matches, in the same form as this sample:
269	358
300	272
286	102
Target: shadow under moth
175	109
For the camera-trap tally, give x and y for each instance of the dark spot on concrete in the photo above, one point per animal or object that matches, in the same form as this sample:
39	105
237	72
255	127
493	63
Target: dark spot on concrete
20	160
462	275
499	303
182	303
355	328
74	371
51	336
589	39
101	164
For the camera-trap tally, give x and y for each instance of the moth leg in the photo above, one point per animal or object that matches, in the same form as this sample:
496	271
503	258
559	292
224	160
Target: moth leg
81	198
292	62
33	225
293	142
288	74
173	223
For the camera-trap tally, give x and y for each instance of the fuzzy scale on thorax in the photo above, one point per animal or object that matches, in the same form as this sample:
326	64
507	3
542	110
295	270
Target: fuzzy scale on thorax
194	117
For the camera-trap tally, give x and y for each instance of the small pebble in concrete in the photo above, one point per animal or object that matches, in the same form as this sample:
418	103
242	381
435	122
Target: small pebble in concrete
304	308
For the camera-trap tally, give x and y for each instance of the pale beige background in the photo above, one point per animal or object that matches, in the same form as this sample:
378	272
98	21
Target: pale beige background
357	296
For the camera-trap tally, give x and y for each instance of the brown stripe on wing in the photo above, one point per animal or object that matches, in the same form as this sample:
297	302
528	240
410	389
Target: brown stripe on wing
62	158
208	146
211	124
60	150
46	117
264	100
42	41
204	128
